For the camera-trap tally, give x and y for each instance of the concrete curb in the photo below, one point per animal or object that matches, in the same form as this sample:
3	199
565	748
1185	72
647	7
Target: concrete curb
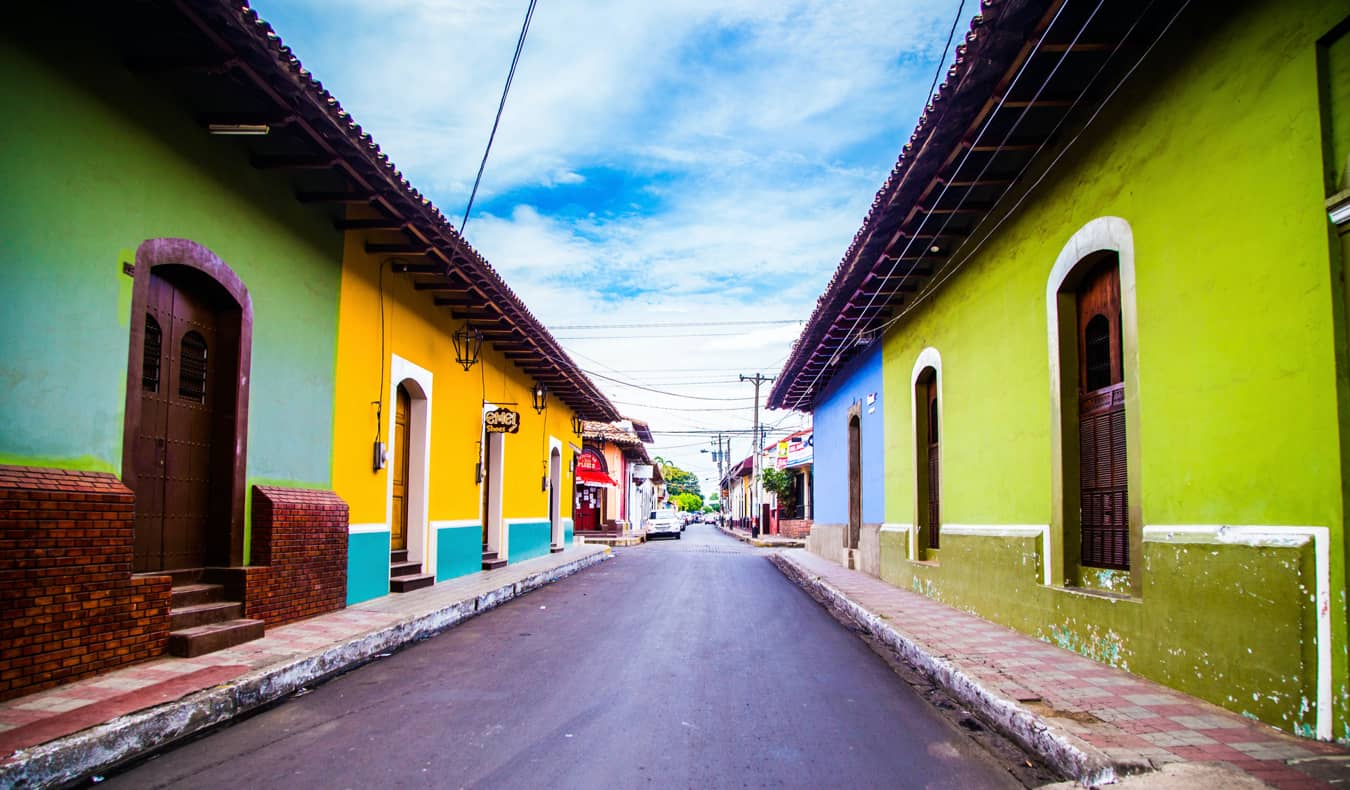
763	544
1082	762
103	746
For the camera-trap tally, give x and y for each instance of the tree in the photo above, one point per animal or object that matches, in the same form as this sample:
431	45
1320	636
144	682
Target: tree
688	502
678	481
779	483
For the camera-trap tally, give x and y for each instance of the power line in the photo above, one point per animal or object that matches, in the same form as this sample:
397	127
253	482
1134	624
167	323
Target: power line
660	325
657	391
510	75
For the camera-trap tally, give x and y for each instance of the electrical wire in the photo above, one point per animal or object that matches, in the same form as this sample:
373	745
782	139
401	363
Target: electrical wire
510	75
661	325
660	392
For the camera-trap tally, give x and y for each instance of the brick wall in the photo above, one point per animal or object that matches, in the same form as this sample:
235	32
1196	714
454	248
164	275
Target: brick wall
69	606
299	555
797	528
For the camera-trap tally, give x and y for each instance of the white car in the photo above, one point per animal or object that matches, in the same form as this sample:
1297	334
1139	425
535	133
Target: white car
663	526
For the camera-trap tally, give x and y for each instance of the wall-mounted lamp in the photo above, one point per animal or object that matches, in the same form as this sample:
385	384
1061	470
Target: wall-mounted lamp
539	397
577	424
468	343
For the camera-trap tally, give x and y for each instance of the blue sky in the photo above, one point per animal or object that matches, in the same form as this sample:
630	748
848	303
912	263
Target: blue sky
686	161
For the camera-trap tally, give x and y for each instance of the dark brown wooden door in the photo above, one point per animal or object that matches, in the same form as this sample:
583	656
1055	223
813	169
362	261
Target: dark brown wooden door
173	454
854	484
1103	500
398	529
934	457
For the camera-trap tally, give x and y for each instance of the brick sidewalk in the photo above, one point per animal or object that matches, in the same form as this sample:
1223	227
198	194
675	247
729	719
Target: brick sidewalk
43	738
1089	719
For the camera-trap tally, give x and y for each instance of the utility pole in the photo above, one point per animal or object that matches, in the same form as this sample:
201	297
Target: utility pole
757	380
717	456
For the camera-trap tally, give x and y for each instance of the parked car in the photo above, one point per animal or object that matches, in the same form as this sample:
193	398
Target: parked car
664	525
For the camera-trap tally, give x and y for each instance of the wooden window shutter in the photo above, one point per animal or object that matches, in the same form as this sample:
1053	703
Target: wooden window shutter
153	348
1103	480
192	367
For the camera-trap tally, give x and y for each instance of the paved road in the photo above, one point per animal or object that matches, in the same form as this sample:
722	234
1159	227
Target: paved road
689	663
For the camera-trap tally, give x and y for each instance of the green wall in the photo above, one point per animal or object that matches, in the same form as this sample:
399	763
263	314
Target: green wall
1213	155
95	164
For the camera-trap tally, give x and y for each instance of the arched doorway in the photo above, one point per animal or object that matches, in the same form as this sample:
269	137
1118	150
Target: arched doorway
398	523
591	477
854	482
555	498
186	415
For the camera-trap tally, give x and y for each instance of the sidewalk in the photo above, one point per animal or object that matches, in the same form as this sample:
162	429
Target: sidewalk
70	731
763	541
1091	721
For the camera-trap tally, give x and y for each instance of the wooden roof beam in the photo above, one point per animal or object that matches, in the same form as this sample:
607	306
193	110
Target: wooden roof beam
1080	46
384	223
321	162
335	197
397	249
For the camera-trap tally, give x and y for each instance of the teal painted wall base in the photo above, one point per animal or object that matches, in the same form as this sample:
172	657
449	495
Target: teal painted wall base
459	551
567	532
367	566
528	540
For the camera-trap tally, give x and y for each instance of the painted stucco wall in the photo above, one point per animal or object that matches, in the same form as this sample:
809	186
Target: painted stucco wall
859	378
417	331
87	180
1213	155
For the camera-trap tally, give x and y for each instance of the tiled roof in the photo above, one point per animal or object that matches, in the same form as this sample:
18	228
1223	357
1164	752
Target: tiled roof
278	75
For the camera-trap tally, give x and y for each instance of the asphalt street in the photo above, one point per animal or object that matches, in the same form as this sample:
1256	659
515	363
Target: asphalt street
689	663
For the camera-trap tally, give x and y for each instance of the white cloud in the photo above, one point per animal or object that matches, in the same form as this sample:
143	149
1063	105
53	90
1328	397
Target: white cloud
755	133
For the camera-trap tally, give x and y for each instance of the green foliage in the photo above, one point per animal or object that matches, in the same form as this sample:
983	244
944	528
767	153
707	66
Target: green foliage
678	481
777	482
689	502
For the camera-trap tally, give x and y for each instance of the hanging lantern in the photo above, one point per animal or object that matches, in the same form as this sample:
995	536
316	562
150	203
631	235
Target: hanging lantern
539	396
577	424
468	342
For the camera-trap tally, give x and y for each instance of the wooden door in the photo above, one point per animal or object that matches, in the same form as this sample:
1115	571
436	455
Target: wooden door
854	484
934	465
586	514
173	454
398	528
1103	500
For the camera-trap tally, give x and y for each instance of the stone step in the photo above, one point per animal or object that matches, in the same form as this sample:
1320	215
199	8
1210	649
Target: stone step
491	562
398	555
184	617
556	549
402	584
195	594
203	639
405	568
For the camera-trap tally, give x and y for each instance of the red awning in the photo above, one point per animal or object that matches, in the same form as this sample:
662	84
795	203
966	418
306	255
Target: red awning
594	477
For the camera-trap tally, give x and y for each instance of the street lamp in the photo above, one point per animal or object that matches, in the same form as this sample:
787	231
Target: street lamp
468	343
577	424
540	397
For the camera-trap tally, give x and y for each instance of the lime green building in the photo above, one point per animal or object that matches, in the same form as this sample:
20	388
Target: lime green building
1107	281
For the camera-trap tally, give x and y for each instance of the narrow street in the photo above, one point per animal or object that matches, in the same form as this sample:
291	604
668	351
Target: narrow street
689	663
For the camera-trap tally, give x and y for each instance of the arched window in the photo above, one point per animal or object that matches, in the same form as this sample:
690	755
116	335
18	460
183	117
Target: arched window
1096	515
927	456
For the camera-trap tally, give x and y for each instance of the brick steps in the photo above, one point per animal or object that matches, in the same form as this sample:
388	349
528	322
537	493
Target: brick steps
405	576
201	620
203	639
491	561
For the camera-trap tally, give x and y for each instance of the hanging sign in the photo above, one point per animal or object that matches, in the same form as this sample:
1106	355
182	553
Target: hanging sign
502	420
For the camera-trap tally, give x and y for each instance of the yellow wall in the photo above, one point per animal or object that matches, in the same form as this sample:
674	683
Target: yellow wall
418	331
